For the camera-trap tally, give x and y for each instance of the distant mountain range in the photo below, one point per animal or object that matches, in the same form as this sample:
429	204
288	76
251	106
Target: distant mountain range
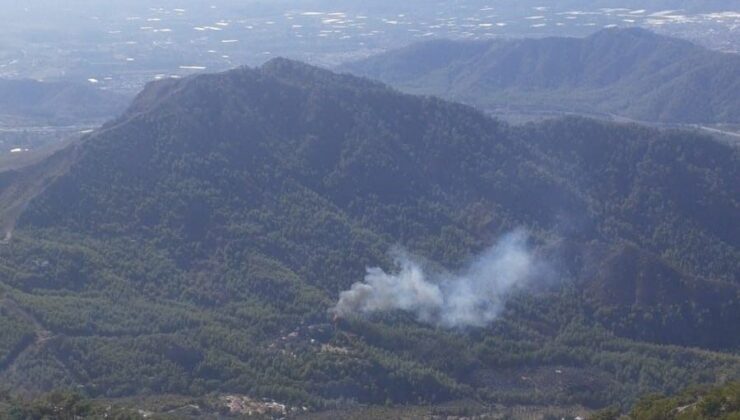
57	103
633	73
195	244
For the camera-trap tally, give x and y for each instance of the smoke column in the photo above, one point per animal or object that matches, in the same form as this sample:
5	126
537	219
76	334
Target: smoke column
475	296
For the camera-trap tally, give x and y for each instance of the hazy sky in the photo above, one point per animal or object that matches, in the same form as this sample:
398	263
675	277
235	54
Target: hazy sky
126	42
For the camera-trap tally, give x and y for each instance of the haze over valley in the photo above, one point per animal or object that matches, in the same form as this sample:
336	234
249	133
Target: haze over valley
123	44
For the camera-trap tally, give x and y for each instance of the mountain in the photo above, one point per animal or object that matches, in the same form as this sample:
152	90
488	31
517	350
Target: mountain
629	72
57	102
195	245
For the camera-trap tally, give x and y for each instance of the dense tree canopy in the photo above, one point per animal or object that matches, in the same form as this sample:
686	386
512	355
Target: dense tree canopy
195	245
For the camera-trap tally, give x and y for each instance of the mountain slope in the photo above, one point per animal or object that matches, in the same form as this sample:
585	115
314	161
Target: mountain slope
630	72
57	102
195	244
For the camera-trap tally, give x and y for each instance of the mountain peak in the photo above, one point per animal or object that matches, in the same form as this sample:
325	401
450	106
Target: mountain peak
292	71
279	63
288	69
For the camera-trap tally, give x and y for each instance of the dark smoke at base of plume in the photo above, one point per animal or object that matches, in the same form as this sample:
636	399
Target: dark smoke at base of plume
472	297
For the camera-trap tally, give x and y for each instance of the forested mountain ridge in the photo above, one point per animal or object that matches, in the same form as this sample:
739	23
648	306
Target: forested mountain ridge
195	244
630	72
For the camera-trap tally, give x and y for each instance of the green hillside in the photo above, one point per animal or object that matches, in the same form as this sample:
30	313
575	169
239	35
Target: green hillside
195	245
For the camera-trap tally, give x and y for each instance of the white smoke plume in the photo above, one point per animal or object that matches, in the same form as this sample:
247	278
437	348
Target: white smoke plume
474	296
